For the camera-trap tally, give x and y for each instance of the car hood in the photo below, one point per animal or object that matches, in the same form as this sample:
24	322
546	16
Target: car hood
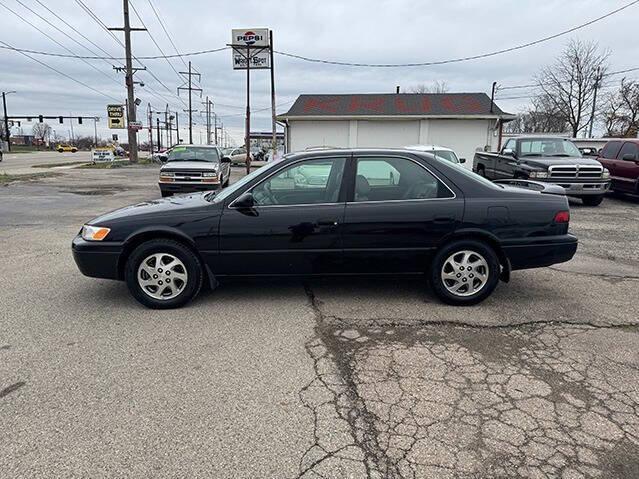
546	161
180	204
190	165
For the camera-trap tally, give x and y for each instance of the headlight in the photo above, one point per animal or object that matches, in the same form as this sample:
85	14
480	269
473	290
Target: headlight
209	174
166	174
94	233
538	174
606	174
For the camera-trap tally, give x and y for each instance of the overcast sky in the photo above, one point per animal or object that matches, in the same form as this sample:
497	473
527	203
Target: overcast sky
392	31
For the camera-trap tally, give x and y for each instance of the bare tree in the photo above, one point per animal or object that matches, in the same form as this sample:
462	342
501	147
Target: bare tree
569	84
436	87
41	131
621	114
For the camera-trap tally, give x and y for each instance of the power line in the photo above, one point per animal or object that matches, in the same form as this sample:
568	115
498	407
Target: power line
157	15
63	74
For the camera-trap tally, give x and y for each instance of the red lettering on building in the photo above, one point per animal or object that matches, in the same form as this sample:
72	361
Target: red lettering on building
461	104
329	105
359	105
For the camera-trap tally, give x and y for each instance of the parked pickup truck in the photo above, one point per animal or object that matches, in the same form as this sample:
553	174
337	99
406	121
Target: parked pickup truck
551	160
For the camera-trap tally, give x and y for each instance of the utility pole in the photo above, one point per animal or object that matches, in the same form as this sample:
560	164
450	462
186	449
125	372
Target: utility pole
149	112
208	103
190	88
594	102
6	118
71	125
247	138
158	132
128	80
215	127
273	114
177	128
95	131
492	96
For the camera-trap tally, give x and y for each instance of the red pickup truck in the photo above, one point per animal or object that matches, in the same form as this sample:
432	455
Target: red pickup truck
621	157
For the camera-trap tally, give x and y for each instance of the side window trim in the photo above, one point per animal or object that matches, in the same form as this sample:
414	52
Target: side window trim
351	197
346	159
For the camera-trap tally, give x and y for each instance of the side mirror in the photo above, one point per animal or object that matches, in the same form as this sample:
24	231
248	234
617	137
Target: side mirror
246	200
629	157
508	152
462	160
226	159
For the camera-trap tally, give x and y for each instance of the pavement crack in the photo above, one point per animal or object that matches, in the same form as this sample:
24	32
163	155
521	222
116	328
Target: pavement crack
9	389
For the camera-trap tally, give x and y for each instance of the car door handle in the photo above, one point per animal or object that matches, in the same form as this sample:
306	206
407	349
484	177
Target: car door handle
327	222
443	219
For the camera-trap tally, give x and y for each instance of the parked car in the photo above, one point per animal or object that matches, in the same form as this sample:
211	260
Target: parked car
62	148
588	151
439	151
548	159
238	156
160	156
621	157
374	212
190	168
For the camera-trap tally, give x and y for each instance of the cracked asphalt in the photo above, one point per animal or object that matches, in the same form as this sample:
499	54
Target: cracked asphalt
356	378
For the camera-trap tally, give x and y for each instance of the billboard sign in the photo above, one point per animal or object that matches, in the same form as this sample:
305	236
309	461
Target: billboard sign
253	38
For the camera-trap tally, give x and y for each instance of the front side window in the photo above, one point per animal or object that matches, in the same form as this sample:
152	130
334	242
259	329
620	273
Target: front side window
307	182
510	145
446	155
611	150
392	179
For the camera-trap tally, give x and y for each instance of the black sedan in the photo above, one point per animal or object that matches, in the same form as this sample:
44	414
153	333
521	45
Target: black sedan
336	212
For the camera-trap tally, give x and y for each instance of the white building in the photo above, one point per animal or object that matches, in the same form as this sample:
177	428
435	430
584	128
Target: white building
464	122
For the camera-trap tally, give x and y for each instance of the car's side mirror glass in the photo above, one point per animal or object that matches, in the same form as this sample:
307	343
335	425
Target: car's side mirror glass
629	157
226	159
508	152
462	160
246	200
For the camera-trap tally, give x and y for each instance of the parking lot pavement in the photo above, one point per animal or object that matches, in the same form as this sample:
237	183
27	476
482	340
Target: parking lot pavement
328	378
22	163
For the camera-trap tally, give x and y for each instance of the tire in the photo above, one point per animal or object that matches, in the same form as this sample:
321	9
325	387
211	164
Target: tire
592	200
226	182
476	251
166	193
187	274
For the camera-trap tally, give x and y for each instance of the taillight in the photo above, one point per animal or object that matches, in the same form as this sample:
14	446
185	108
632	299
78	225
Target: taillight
562	217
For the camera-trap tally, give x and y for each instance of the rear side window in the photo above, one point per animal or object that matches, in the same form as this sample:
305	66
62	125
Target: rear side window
628	149
393	179
611	149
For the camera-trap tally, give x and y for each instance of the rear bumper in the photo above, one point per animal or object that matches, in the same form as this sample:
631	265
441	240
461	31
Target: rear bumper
95	259
187	187
541	251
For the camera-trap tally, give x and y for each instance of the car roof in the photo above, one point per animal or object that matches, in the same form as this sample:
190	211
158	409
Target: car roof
428	148
195	146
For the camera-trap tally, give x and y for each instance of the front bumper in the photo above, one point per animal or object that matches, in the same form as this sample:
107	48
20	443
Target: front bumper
190	187
540	251
96	259
584	188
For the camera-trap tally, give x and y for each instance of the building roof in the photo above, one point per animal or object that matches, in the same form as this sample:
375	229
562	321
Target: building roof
453	105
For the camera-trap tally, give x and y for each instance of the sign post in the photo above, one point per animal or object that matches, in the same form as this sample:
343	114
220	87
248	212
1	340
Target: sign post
251	50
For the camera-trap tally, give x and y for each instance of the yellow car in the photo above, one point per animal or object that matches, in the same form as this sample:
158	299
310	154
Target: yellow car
66	148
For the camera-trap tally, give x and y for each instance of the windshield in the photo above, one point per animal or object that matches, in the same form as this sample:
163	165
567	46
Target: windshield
216	197
548	147
193	153
227	151
446	155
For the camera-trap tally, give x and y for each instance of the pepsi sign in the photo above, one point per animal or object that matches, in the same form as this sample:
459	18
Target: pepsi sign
258	41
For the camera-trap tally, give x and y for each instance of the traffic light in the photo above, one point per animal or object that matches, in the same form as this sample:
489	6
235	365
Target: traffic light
79	120
40	119
61	119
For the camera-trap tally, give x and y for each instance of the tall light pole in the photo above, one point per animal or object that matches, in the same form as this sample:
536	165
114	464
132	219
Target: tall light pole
6	118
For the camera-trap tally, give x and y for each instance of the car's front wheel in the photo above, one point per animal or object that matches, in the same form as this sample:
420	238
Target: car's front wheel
592	200
464	272
163	274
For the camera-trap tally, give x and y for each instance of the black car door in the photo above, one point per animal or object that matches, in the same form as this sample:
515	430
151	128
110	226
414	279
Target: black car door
294	227
397	213
506	163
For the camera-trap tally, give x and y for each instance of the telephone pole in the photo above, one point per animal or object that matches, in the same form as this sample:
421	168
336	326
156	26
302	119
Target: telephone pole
6	118
190	88
209	109
128	80
273	114
594	102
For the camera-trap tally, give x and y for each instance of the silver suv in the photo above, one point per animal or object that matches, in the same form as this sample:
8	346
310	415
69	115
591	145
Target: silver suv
192	168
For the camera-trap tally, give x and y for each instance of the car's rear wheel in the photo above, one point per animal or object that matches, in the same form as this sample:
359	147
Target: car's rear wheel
592	200
481	171
163	274
464	272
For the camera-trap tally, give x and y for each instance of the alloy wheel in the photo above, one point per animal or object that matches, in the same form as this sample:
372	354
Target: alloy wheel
162	276
465	273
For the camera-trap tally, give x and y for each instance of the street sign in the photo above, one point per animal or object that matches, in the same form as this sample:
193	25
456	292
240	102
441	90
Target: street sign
116	116
135	125
253	38
103	154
